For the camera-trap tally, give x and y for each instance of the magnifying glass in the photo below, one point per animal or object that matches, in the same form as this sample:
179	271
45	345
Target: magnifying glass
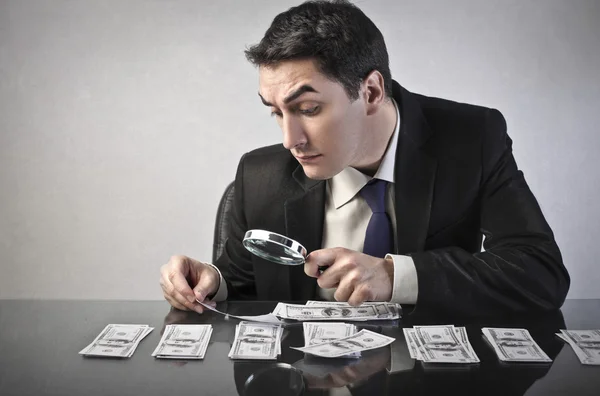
276	248
282	378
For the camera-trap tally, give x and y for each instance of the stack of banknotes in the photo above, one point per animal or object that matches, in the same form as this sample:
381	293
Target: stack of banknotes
316	333
183	342
256	341
585	344
514	345
330	310
440	344
117	340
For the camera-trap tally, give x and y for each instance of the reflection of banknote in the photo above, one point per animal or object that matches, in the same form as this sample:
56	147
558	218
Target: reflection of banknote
514	345
440	344
183	342
585	344
321	332
333	312
117	340
258	341
362	341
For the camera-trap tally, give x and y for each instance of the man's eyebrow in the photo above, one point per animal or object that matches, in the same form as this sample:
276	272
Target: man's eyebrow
293	96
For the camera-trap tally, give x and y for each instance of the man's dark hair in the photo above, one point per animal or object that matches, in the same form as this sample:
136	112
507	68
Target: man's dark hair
345	43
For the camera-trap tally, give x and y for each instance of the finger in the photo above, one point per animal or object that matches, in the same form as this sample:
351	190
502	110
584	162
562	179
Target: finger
361	294
210	303
169	290
176	277
339	380
345	289
319	258
351	373
336	273
207	284
174	303
188	305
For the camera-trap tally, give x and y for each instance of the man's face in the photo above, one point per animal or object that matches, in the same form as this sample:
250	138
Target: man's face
321	126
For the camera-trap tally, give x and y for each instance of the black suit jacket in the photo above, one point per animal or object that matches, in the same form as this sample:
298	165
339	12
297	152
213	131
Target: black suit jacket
455	181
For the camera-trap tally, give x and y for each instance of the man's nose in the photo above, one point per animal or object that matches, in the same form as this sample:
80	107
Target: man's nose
293	134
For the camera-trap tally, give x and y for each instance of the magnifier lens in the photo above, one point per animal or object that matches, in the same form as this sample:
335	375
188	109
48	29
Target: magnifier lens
274	247
280	378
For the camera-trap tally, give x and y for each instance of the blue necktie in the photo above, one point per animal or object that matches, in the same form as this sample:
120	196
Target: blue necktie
378	238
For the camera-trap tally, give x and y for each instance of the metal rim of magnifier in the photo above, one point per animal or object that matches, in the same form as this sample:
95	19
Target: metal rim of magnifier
297	250
296	379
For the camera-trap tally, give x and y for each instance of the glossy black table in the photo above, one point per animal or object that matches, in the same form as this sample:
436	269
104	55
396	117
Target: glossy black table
40	340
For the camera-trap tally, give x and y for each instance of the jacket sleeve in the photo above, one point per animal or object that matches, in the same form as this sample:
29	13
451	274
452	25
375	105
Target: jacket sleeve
235	262
520	268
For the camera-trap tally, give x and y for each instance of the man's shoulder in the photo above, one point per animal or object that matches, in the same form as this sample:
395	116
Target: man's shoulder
458	123
269	152
449	108
458	130
273	155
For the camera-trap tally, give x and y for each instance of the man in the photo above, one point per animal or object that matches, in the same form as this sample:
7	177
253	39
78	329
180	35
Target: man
391	190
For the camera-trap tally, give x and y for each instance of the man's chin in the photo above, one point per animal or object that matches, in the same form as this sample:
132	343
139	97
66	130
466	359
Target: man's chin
317	174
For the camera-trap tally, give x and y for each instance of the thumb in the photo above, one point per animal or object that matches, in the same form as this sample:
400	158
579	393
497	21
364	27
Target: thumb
207	284
318	261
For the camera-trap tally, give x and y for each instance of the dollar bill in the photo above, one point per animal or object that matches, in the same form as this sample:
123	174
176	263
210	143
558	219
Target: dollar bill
391	309
461	334
332	312
585	344
316	333
183	342
442	344
514	345
256	341
117	340
362	341
411	342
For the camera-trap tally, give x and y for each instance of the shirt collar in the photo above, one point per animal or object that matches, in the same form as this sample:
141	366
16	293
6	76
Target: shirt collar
346	184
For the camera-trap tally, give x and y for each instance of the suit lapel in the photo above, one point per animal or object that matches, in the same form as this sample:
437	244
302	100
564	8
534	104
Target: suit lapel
304	216
414	175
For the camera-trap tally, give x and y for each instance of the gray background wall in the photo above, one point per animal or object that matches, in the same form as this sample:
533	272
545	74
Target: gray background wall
121	122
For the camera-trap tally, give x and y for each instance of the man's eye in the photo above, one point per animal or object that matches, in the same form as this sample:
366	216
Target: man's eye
276	114
310	111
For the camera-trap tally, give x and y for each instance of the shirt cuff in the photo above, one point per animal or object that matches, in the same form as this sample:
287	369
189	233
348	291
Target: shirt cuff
406	286
221	294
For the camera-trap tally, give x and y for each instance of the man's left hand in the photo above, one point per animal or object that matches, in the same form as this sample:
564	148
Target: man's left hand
357	276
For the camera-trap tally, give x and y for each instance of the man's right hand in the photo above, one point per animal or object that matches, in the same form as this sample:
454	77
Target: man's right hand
185	280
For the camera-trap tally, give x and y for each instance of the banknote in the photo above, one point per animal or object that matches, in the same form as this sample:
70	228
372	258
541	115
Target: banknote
331	312
585	344
393	310
461	334
411	342
410	334
183	342
256	341
321	332
269	318
362	341
442	344
514	345
117	340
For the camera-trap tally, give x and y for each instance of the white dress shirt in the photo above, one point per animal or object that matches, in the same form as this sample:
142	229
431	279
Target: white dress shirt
347	215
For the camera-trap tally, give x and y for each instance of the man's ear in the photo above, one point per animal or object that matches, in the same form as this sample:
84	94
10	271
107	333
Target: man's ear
373	91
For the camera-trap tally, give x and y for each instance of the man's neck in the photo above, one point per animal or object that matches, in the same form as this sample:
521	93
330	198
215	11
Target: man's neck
378	137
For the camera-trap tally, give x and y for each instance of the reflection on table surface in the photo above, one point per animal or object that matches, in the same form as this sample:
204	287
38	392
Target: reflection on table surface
39	341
